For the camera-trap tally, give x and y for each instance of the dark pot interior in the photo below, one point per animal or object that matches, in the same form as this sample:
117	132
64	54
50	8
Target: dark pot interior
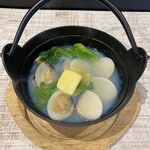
19	64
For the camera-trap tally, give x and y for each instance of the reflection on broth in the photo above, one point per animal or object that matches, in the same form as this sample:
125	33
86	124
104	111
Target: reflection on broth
74	83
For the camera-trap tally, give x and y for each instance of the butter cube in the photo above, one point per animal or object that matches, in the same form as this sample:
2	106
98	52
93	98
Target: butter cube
69	81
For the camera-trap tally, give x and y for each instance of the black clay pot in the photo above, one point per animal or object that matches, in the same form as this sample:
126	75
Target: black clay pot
18	60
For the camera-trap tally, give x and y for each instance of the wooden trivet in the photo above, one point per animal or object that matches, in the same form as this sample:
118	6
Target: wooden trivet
54	137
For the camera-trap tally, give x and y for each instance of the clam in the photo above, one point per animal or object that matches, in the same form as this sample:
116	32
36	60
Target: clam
66	65
38	61
44	73
60	106
104	67
89	105
104	88
80	66
83	68
34	82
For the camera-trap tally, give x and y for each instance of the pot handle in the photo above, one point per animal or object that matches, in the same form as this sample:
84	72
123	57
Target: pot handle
106	3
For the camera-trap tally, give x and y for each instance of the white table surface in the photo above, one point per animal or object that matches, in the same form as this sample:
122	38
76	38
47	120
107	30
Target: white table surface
138	136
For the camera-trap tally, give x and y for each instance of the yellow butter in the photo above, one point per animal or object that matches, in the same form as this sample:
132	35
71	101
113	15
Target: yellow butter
69	81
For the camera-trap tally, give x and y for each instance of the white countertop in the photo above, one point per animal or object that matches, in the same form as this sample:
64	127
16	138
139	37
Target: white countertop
138	136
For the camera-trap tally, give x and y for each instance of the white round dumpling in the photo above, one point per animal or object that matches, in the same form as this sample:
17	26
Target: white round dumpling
60	106
80	66
104	88
44	73
104	67
89	105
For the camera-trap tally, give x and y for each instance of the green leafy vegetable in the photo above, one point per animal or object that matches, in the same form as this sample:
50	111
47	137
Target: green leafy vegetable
76	51
84	86
52	56
43	93
90	86
80	51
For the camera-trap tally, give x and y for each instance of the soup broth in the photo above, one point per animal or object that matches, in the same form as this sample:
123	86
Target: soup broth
69	63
